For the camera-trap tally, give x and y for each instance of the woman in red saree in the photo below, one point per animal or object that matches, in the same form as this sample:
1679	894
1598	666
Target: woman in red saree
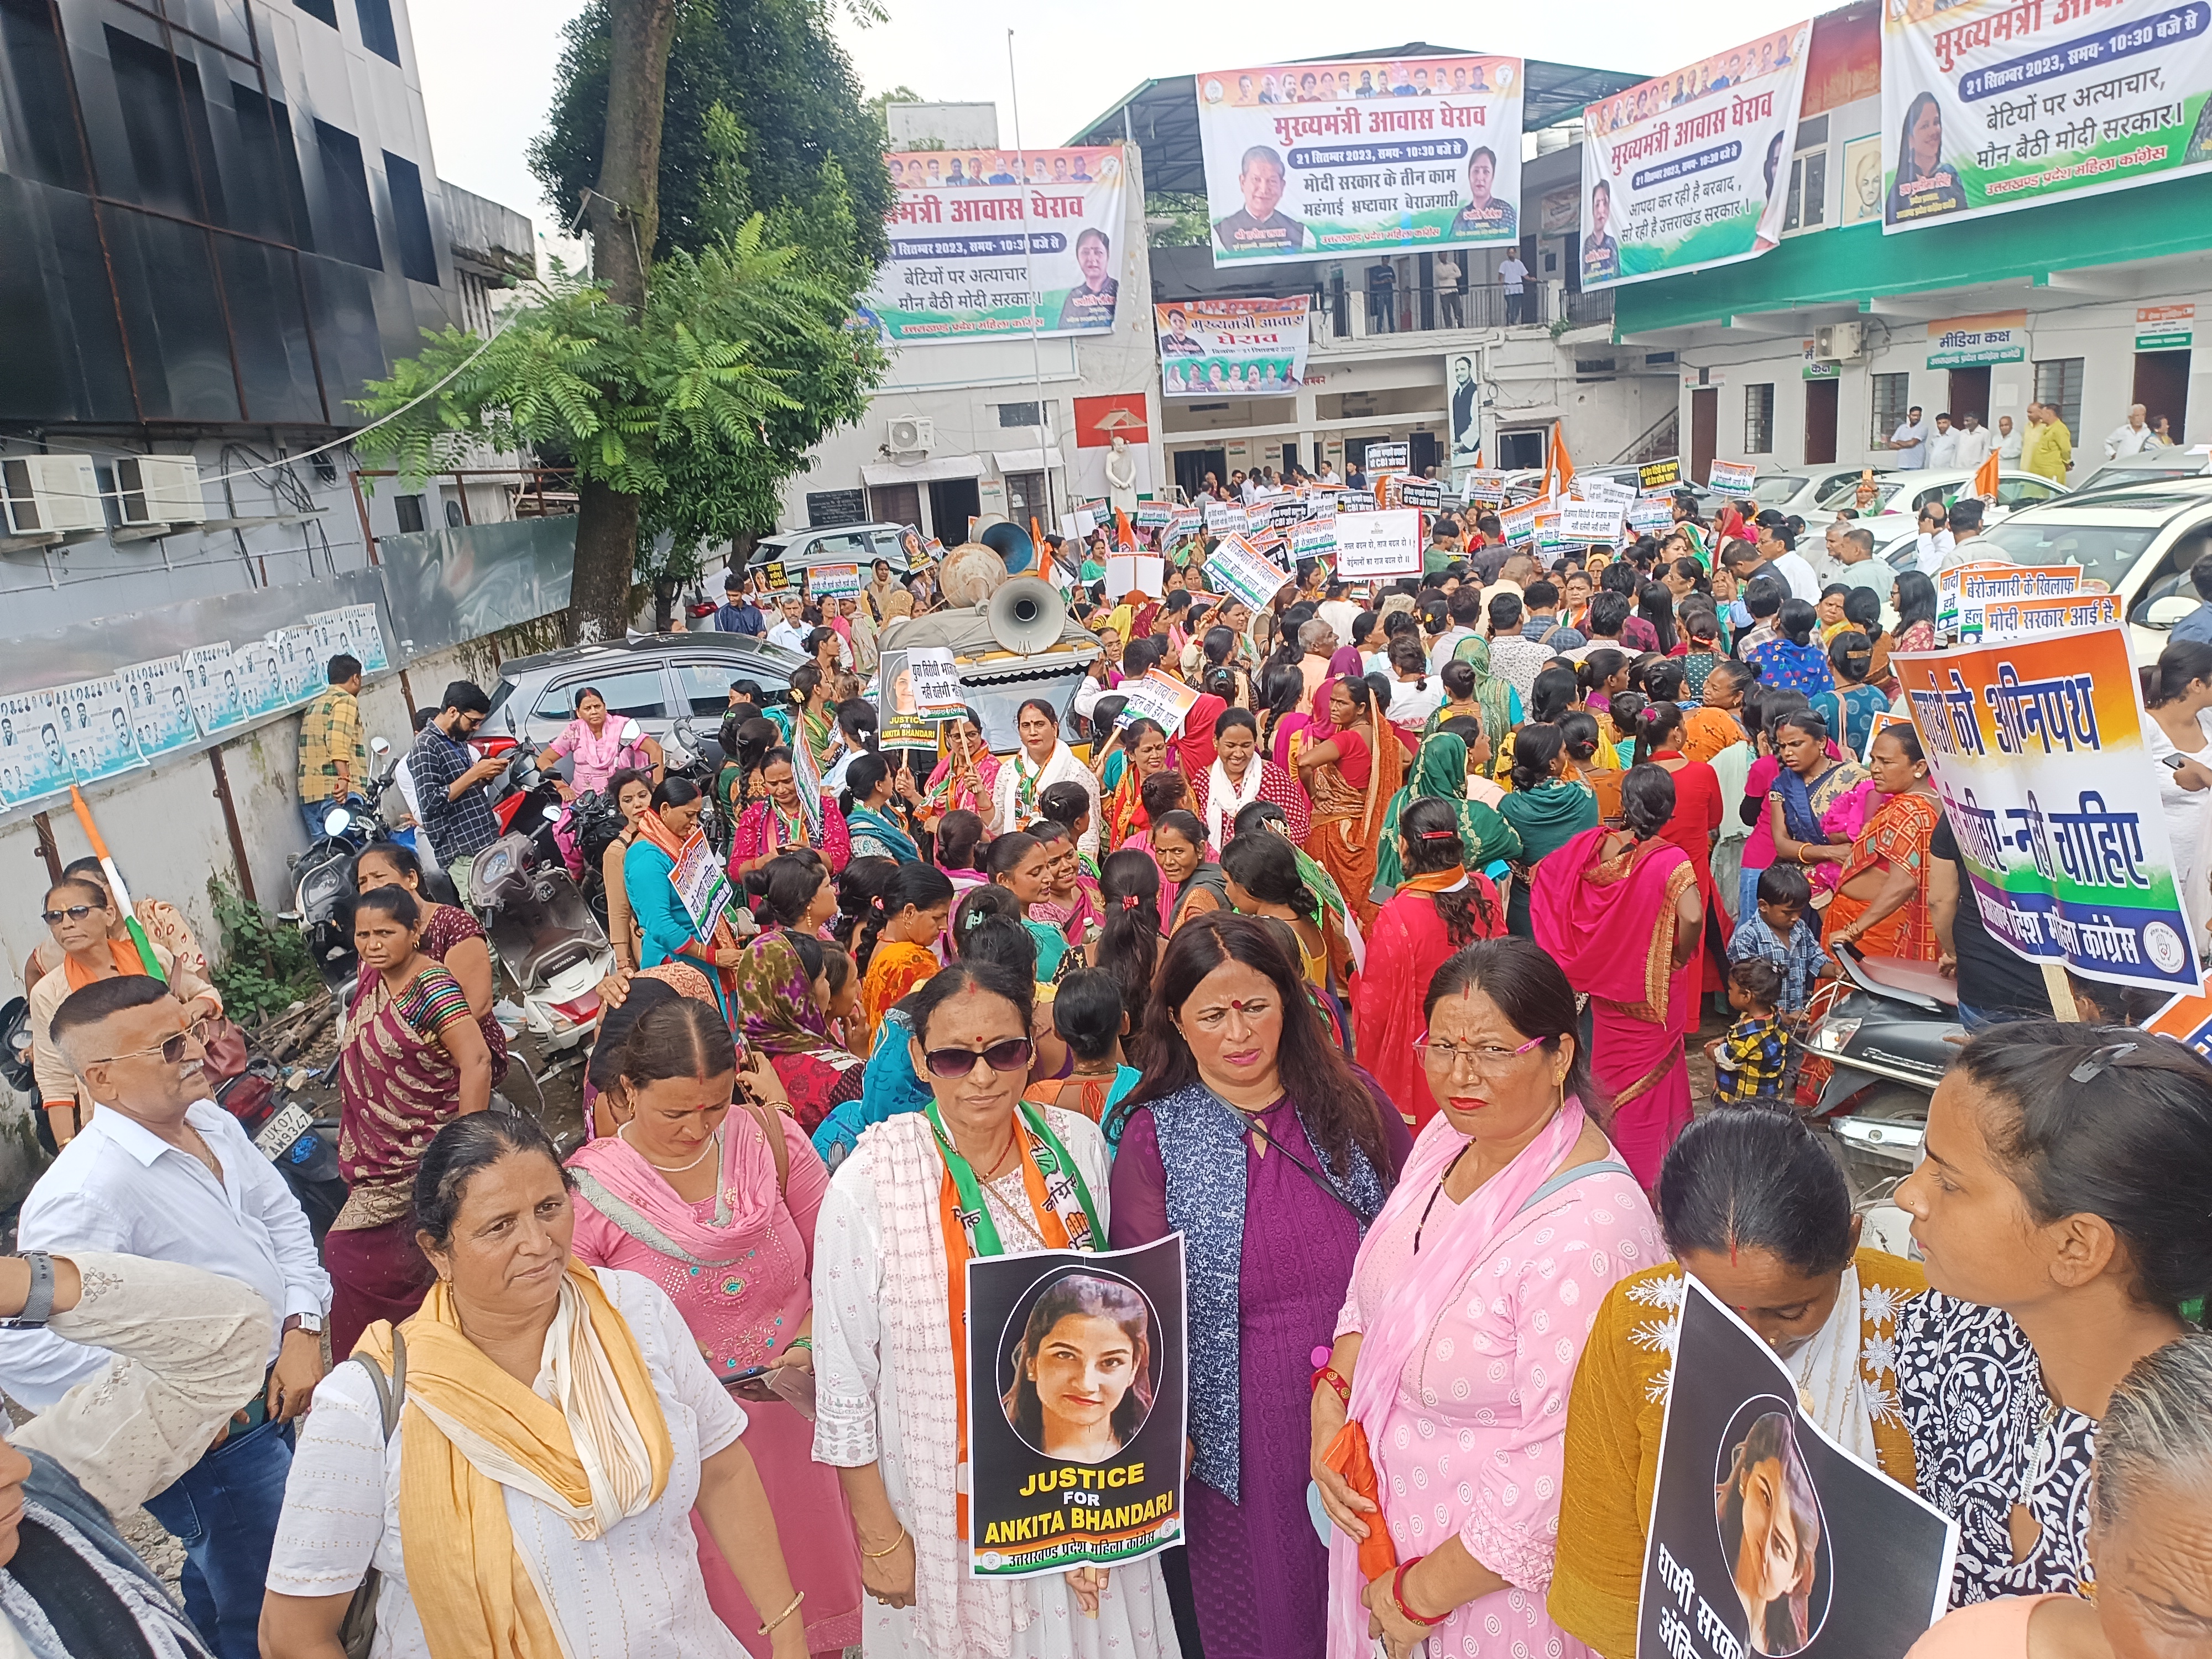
1351	777
1619	910
1441	907
1881	905
1193	751
1697	805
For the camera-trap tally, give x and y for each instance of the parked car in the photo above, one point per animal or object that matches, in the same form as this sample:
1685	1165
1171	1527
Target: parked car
1805	490
654	680
1902	494
2159	463
846	544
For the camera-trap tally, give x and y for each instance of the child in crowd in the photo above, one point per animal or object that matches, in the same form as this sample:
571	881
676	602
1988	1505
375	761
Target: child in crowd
1087	1013
1750	1060
1781	936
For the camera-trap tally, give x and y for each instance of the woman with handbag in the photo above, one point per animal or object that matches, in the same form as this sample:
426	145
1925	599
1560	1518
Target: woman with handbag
452	938
709	1189
557	1429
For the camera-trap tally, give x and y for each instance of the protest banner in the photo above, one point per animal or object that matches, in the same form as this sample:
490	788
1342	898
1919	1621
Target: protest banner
1993	105
1378	544
1650	515
1660	475
95	716
1153	515
1355	500
1077	1398
2037	751
1996	580
1029	250
160	707
1219	348
1314	539
1590	521
2187	1019
2030	619
1403	489
1519	523
834	581
701	883
1226	518
1304	162
1478	484
1731	477
1692	170
1766	1536
1241	570
1590	488
1550	539
915	688
1382	459
1156	697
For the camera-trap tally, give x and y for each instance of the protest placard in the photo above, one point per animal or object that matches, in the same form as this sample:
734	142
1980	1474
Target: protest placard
1405	490
1153	515
1487	487
1135	572
1590	521
1355	500
1062	1475
1731	477
1389	458
1314	539
1650	515
1766	1536
1660	475
1378	544
1156	697
2027	619
2037	751
1613	492
1241	570
1996	580
827	581
2186	1020
1519	523
701	883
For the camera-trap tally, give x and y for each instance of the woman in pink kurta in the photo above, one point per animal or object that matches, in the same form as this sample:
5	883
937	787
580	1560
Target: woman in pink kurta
739	1265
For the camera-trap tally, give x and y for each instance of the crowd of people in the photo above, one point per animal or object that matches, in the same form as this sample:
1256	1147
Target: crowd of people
1377	979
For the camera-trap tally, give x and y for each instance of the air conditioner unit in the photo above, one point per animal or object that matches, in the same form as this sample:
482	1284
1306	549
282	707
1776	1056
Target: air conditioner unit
160	489
51	494
913	434
1839	343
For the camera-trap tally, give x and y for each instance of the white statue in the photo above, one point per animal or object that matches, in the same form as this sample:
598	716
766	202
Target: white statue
1120	475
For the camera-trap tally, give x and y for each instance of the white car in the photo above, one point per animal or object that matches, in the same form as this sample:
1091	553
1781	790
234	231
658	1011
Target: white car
1903	494
1805	490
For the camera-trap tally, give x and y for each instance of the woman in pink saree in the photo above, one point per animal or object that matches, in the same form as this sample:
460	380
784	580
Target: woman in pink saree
1618	910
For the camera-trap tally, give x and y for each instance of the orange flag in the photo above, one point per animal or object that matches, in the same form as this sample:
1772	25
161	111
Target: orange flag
1124	535
1559	466
1985	477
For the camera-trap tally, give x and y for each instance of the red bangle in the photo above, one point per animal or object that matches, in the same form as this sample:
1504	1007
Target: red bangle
1398	1593
1329	1375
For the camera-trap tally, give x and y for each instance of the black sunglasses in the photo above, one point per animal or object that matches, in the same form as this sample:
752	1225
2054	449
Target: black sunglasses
75	912
1014	1055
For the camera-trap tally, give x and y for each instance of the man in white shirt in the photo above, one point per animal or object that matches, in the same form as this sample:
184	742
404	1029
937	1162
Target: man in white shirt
1338	611
2008	442
1779	548
1965	536
162	1171
1943	444
1251	488
1909	443
1511	276
1973	443
2132	438
1329	474
791	629
1935	539
1852	549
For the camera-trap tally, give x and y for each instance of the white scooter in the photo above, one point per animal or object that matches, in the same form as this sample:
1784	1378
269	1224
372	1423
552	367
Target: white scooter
545	939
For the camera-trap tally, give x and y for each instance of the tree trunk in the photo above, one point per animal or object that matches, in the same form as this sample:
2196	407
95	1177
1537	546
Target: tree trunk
624	214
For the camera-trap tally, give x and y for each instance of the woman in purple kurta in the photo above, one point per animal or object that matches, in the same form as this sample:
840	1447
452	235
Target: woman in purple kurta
1271	1192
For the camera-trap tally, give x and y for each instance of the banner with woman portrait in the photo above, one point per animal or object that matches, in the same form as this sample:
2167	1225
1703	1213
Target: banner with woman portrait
1381	155
1766	1536
1000	244
1691	169
1223	347
1076	1408
1992	105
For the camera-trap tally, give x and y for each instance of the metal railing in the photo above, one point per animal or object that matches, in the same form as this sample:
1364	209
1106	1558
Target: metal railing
1422	311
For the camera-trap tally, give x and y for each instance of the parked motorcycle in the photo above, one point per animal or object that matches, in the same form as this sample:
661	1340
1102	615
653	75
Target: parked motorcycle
688	753
322	876
545	938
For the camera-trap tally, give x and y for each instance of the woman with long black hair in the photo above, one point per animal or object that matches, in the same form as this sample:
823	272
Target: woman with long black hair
1128	944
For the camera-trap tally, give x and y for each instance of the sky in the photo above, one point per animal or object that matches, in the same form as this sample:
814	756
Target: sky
488	66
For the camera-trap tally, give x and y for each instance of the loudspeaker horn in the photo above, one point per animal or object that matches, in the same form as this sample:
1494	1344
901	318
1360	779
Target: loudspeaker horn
1011	543
1026	614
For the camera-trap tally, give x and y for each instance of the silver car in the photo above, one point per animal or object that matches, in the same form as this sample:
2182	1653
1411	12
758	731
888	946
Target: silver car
654	680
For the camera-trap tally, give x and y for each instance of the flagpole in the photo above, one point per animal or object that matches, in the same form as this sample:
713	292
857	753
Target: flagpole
1029	264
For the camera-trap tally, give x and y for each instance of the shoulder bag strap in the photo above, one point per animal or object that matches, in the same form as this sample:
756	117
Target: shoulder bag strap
770	1121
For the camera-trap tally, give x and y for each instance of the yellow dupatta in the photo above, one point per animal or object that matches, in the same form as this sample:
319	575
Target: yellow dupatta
469	1584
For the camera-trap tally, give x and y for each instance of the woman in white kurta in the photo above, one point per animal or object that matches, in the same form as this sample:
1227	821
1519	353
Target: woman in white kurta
1042	760
888	1411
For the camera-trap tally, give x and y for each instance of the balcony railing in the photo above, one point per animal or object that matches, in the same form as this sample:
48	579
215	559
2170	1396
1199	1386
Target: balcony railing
1355	312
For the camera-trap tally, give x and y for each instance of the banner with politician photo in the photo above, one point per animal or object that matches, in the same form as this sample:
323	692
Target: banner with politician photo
1077	1368
95	722
1001	243
1209	348
1767	1537
1992	105
1382	156
1691	169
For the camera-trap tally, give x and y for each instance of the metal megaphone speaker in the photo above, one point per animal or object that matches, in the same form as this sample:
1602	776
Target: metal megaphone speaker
1026	614
1011	543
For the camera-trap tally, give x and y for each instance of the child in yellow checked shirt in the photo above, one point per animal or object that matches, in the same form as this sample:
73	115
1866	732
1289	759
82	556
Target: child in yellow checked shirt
1749	1061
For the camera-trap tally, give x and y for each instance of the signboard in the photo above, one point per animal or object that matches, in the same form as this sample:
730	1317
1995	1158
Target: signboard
1216	347
1692	170
1650	515
1403	489
1386	458
1153	515
1731	477
1660	475
1479	484
1590	521
2165	328
1135	572
1159	697
1239	569
95	716
1314	539
1992	105
1374	156
1029	250
33	748
829	580
776	575
1977	583
1077	1398
1226	518
160	707
1967	341
700	882
1767	1537
2037	749
1519	523
1378	545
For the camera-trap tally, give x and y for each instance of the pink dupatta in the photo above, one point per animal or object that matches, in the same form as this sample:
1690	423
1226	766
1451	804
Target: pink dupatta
632	1194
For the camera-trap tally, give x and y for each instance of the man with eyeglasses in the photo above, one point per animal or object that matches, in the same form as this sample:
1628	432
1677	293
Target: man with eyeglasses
163	1172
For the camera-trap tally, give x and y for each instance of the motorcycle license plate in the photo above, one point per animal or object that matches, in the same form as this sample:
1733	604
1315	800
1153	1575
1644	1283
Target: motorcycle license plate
281	1133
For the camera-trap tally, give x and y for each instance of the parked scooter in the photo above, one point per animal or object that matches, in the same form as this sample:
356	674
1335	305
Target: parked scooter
545	938
322	876
688	753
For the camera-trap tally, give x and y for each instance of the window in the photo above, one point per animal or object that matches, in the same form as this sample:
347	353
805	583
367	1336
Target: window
634	694
1893	396
1808	205
411	219
272	203
409	509
36	126
1025	497
1019	415
705	686
2024	492
1758	419
376	31
324	10
2058	383
345	186
164	118
850	547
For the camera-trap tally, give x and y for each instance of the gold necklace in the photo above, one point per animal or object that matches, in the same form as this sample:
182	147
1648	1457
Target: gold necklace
714	1144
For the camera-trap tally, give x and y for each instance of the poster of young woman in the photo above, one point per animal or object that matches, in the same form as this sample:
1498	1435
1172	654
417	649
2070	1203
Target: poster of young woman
1992	105
998	244
1213	346
1384	155
1766	1536
1076	1408
1691	169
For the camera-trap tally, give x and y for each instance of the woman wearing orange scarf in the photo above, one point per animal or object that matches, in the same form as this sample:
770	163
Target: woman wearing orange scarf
1351	777
666	926
556	1426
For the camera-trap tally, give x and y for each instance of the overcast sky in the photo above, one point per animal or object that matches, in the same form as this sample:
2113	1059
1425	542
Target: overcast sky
488	65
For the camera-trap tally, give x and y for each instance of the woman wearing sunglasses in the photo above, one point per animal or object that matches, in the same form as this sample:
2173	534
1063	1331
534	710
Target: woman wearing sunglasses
890	1312
82	918
1272	1184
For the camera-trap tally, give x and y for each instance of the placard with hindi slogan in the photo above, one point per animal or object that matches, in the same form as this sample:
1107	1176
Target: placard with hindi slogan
2036	749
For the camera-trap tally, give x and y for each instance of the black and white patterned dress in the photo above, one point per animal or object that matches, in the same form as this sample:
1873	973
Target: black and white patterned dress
1986	1437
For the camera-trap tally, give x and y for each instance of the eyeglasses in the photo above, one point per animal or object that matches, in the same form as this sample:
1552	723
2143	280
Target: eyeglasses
171	1048
1014	1055
75	912
1485	1057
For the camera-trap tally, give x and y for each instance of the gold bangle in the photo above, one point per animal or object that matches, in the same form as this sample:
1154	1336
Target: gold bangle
789	1609
877	1555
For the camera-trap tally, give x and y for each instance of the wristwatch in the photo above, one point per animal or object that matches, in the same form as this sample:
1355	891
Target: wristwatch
38	1305
311	1323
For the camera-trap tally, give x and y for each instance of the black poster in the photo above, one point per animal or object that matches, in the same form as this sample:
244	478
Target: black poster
1076	1407
1766	1537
